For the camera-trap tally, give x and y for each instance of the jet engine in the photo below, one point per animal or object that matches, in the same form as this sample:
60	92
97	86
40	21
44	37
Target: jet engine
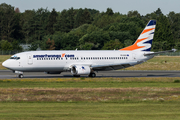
80	70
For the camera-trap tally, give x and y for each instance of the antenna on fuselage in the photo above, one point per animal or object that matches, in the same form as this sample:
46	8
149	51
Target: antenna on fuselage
76	49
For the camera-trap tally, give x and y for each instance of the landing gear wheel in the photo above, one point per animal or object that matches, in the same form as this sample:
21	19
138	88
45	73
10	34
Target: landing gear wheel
92	75
21	76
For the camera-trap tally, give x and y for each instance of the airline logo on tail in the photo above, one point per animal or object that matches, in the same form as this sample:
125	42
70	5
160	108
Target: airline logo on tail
144	41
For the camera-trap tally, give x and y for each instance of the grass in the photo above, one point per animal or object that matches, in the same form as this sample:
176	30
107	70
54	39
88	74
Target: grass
90	90
90	98
89	111
157	63
89	83
108	95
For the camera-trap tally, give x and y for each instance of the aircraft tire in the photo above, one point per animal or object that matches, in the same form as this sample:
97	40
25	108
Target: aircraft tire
92	75
21	76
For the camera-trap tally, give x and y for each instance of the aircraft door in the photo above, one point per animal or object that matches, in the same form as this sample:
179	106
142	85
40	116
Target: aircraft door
30	59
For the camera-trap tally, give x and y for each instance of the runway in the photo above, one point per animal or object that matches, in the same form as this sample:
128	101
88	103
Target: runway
6	74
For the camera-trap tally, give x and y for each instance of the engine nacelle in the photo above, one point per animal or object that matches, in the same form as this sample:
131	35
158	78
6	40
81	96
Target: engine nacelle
80	70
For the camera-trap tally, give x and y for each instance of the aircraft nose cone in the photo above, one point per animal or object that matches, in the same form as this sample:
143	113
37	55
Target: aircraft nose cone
4	64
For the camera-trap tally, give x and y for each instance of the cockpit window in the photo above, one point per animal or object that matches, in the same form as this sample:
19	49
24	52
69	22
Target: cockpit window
15	58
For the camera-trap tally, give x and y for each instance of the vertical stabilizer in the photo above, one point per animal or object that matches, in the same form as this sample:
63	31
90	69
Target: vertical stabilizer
144	41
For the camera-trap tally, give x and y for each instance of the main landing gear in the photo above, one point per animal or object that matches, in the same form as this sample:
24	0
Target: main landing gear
20	75
92	74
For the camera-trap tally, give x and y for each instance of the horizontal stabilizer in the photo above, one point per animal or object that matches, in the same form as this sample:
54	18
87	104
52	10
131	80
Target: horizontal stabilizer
154	53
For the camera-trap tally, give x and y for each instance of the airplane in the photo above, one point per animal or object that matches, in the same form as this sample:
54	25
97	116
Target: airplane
85	62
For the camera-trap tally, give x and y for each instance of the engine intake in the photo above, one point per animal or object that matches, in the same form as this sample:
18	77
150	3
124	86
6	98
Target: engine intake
80	70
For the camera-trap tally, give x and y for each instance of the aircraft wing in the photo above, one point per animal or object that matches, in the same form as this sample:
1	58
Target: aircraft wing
112	66
154	53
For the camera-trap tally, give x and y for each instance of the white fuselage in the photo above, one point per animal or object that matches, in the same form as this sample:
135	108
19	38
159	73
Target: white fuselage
59	61
85	62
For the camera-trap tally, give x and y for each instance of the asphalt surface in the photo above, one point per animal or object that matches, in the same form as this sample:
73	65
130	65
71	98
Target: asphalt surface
6	74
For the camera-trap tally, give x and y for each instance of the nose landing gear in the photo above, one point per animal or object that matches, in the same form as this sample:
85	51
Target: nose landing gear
20	74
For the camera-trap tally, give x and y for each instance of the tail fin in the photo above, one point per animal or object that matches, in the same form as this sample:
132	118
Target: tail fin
144	41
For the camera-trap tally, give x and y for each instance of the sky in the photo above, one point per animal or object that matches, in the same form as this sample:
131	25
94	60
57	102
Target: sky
122	6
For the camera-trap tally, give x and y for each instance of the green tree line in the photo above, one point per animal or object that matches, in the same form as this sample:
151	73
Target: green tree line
84	29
